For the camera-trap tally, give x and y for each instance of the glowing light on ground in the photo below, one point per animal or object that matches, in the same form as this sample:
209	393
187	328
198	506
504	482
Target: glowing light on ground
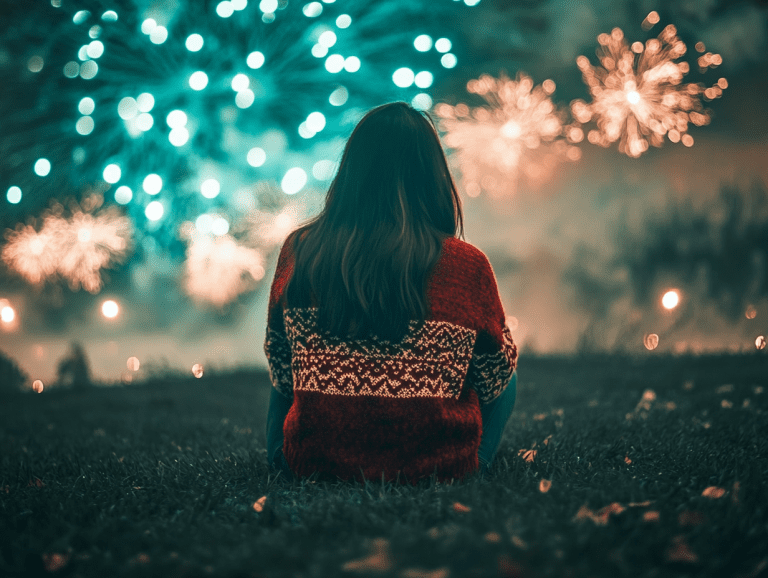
220	269
651	341
37	386
751	312
110	309
133	363
197	370
671	299
7	313
638	96
760	342
519	135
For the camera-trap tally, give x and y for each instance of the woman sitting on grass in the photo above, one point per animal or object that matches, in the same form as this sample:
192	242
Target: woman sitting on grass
386	337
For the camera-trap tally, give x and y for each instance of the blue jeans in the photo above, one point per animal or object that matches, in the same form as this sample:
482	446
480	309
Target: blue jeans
495	417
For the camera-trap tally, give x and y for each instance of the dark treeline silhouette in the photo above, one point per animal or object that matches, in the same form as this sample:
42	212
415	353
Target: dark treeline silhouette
12	377
73	369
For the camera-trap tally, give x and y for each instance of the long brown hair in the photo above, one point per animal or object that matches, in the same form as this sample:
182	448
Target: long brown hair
366	258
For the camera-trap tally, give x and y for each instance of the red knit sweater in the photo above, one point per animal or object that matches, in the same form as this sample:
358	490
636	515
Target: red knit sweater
368	407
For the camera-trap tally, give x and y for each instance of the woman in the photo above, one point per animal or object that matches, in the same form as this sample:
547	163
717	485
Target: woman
386	337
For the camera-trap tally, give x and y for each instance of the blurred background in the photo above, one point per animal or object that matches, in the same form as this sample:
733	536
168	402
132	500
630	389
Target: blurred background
612	158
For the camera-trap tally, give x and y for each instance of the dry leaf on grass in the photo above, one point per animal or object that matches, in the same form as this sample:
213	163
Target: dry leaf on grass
679	551
601	516
713	492
379	560
627	460
55	562
539	416
492	537
528	455
459	507
544	486
651	516
258	505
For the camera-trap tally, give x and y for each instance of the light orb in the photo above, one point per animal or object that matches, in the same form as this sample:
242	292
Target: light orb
210	188
154	211
123	195
403	77
112	173
42	167
197	370
198	80
133	363
443	45
256	157
423	43
293	181
13	195
37	386
86	106
255	60
110	309
7	314
194	42
152	184
671	299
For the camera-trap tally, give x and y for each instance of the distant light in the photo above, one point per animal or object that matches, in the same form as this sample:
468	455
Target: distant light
110	309
123	195
95	31
319	51
178	137
197	370
239	4
112	173
422	101
84	125
154	211
13	195
327	39
37	386
133	363
760	342
152	184
82	54
312	10
423	43
293	181
240	82
176	119
128	108
268	6
220	226
198	80
148	25
210	188
471	2
324	170
86	106
158	35
81	16
334	63
305	131
72	69
225	9
448	60
95	49
194	42
7	314
339	96
203	223
56	3
42	167
651	341
268	17
109	16
145	121
35	64
443	45
245	98
424	79
670	299
145	102
88	70
256	157
352	64
344	21
316	121
633	97
255	60
403	77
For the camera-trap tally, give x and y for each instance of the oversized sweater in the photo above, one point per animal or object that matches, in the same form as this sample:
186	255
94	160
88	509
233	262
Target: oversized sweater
371	407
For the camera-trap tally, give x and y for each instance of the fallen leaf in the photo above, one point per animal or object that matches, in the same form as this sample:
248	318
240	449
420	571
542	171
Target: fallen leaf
745	403
649	395
459	507
651	516
671	405
519	542
627	460
546	440
55	562
528	455
713	492
680	552
726	404
492	537
544	486
258	505
601	516
378	561
539	416
418	573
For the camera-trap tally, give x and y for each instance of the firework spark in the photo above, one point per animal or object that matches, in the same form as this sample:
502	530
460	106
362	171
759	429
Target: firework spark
638	95
218	270
76	248
519	135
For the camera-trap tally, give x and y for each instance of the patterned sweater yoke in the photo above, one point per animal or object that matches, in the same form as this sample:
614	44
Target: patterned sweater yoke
412	408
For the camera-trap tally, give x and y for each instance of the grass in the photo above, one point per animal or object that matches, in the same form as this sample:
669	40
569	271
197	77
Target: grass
160	479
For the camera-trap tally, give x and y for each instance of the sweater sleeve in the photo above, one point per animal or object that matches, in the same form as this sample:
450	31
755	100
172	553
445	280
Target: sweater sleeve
494	357
277	347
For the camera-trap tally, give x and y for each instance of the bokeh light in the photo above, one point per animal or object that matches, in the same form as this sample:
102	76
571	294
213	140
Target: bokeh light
42	167
760	342
112	173
423	43
123	195
255	60
210	188
13	195
37	386
403	77
443	45
293	181
110	309
7	313
198	80
154	211
152	184
256	157
651	341
194	42
86	106
197	370
670	299
133	363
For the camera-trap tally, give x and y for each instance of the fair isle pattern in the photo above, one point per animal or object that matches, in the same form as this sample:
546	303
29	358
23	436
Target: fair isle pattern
489	373
278	351
432	360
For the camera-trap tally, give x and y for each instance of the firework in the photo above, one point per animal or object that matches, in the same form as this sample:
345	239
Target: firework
219	269
76	248
638	96
519	135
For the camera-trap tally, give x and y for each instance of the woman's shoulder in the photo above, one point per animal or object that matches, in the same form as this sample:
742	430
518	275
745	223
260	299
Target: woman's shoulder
463	253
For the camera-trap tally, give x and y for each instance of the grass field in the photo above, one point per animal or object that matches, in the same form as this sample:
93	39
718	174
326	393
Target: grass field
641	467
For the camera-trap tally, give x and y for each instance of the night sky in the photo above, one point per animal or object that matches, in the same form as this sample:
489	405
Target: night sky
582	255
